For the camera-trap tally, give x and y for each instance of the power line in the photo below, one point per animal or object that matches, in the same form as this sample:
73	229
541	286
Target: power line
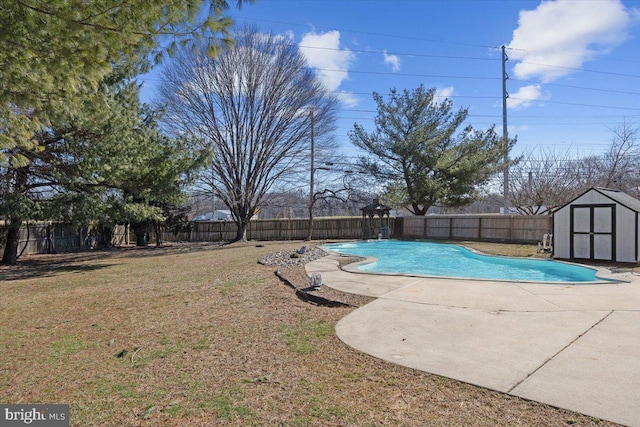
624	92
390	73
397	36
335	92
515	116
409	55
599	116
586	70
578	104
477	58
371	33
570	55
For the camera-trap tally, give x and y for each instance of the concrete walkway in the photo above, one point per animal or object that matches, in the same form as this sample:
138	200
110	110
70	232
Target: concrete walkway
571	346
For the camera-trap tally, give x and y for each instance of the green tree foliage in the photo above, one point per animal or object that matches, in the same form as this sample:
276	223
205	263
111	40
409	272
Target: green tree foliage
55	53
153	190
60	139
105	161
418	151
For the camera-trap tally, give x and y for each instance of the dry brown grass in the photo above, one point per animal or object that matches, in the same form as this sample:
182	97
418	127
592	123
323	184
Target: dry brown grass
207	336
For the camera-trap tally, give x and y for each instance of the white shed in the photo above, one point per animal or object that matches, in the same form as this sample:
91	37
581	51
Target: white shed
600	224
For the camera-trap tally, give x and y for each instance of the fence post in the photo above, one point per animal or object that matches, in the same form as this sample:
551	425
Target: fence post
511	228
48	238
398	227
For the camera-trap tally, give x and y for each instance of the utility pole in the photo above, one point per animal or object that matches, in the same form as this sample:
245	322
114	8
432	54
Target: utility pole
312	169
505	133
311	179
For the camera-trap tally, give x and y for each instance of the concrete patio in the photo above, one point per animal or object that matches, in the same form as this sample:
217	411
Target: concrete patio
572	346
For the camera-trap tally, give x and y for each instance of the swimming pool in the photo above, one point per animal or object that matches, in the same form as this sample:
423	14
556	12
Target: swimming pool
440	259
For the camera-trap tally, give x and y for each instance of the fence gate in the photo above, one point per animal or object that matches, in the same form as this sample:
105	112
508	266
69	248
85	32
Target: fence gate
593	232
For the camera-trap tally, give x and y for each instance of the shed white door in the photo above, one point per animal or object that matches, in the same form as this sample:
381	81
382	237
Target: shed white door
593	232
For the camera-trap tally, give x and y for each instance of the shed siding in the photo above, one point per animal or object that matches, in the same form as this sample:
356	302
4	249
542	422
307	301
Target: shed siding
561	247
625	234
562	223
627	227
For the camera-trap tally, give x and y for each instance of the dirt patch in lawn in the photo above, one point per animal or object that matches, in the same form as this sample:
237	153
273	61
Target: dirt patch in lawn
199	335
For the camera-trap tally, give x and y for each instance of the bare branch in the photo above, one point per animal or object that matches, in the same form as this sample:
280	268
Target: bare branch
249	106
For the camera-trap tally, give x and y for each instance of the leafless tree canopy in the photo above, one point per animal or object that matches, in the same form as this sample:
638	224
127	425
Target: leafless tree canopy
542	181
546	179
251	106
620	165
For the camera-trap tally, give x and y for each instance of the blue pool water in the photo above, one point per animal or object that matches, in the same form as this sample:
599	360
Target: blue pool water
439	259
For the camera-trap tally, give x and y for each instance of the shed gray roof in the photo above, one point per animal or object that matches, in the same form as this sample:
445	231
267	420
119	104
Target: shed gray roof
621	197
615	195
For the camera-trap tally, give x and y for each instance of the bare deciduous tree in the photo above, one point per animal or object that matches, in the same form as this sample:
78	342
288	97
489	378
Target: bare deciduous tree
547	179
337	188
542	181
619	166
250	105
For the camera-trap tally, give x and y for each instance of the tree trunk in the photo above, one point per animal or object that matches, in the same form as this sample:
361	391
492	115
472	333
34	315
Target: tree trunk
158	235
418	211
241	233
10	256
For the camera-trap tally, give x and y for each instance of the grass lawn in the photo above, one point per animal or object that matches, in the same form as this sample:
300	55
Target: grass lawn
205	336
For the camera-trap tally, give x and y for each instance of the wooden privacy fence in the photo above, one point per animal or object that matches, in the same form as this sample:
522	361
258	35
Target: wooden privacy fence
275	229
51	238
499	228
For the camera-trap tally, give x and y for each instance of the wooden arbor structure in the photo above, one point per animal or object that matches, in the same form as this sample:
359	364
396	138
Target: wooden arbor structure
369	214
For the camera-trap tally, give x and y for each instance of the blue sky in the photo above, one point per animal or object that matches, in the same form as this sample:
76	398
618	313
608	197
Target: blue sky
574	65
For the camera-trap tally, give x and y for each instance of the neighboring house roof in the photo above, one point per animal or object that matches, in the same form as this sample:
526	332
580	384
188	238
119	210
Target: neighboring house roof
615	195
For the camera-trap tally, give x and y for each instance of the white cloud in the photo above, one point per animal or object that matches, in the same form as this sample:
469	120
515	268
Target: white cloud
323	52
561	35
443	93
348	99
525	96
392	60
